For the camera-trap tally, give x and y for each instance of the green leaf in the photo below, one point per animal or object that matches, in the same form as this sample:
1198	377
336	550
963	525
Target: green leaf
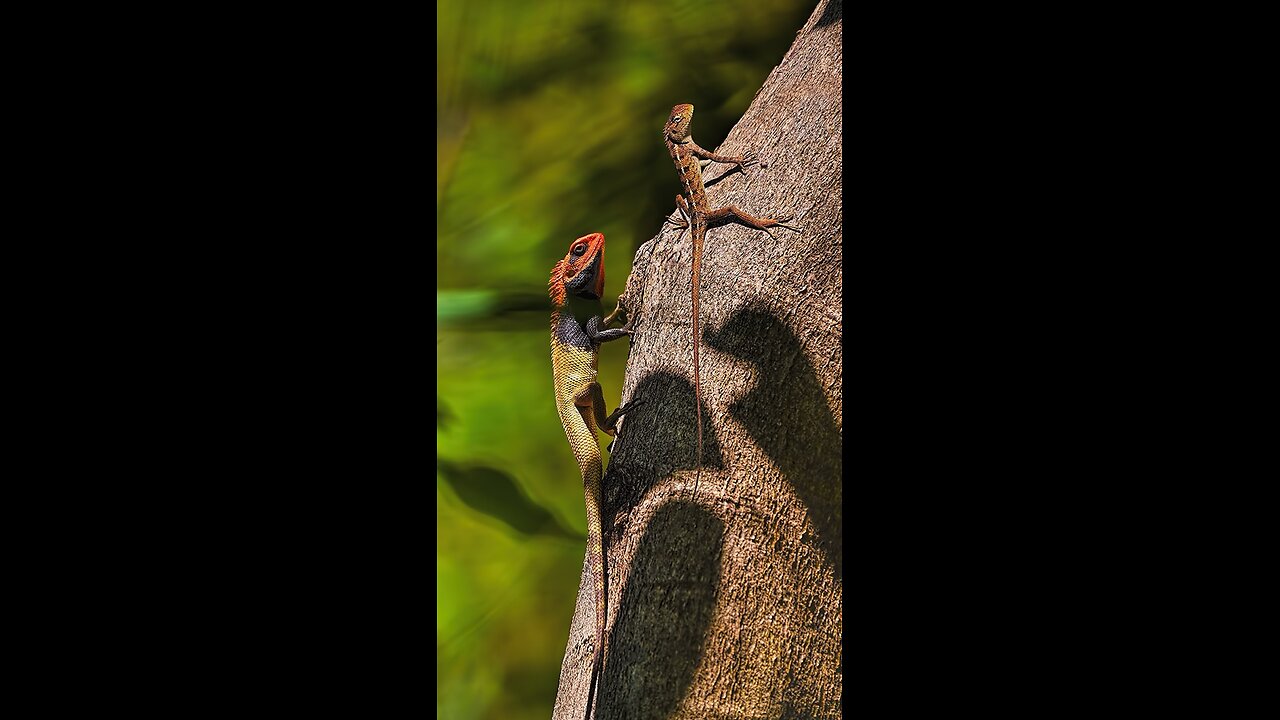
495	494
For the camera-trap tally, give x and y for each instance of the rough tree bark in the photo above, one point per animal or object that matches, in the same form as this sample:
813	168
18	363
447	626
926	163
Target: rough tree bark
725	600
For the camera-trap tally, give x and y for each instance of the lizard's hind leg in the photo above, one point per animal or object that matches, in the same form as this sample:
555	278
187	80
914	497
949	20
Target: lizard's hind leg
592	397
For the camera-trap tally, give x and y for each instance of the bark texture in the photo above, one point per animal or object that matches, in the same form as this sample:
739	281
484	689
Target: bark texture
725	599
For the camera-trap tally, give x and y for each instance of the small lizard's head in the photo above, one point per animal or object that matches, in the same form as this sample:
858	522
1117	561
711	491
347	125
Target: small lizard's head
677	127
581	272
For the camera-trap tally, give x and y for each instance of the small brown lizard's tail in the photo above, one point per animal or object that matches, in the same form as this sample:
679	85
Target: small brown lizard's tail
697	379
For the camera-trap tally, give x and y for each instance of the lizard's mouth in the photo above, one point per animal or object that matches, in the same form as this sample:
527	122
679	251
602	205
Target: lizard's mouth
588	283
599	269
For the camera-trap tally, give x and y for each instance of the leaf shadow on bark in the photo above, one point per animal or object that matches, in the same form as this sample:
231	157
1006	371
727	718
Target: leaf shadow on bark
808	449
664	613
668	419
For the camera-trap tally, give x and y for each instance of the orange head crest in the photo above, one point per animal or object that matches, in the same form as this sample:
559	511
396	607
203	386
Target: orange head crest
581	272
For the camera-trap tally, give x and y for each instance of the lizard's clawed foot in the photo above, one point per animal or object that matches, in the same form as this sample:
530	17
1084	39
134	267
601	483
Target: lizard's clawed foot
611	422
630	327
782	223
628	407
748	158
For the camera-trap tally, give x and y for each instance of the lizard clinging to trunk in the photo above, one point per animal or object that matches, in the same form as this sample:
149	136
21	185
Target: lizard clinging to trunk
577	331
698	214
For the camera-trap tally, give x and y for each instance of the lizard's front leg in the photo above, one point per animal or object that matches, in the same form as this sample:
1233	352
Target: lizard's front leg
628	325
742	161
732	211
599	336
617	309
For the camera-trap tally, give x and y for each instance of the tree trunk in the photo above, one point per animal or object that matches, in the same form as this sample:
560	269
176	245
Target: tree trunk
724	593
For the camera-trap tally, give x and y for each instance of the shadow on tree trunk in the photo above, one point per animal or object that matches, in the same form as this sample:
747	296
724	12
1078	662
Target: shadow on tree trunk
664	613
809	453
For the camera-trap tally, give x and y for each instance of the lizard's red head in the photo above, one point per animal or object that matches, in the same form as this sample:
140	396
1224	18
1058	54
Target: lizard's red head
677	127
581	272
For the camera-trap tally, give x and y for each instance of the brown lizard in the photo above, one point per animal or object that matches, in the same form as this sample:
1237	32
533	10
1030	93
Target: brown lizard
698	214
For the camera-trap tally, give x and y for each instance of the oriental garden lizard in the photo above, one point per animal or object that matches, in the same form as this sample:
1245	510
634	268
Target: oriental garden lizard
577	331
697	213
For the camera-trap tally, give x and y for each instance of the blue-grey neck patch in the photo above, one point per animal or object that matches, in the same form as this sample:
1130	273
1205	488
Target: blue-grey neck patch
584	283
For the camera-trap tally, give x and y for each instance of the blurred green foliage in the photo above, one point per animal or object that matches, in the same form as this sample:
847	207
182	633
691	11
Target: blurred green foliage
548	120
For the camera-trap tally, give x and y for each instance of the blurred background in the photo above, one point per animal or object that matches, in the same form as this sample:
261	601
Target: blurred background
548	127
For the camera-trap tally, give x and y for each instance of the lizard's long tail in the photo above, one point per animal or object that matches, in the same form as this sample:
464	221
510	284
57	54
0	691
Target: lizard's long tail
698	234
595	554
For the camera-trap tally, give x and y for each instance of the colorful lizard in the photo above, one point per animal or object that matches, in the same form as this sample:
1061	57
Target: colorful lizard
697	213
577	331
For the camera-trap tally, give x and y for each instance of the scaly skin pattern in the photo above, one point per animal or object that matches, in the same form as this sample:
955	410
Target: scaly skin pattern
698	214
577	331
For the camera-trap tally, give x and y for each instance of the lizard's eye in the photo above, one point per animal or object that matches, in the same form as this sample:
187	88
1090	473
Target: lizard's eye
675	119
579	248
